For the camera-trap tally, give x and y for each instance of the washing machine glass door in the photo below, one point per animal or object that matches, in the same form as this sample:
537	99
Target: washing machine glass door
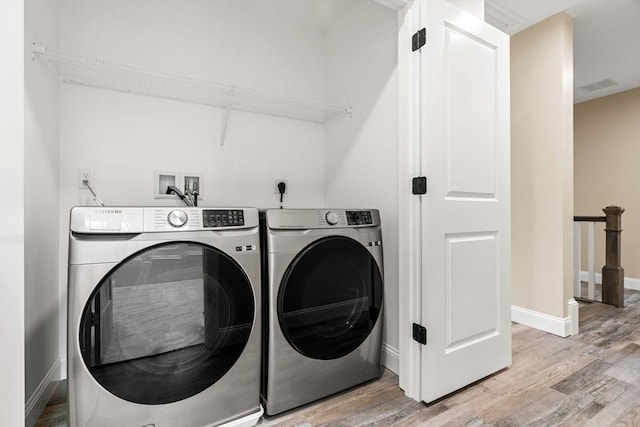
167	323
330	298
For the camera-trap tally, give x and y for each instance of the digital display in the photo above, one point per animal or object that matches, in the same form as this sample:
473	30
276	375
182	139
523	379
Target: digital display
359	218
222	218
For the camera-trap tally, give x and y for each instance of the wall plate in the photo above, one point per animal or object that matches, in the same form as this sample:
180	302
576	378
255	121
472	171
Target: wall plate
162	181
183	181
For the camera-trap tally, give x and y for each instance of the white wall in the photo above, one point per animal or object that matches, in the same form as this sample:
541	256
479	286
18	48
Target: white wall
361	153
41	171
124	138
12	213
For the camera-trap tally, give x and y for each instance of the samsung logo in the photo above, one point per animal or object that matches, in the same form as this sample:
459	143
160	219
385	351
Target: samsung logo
108	211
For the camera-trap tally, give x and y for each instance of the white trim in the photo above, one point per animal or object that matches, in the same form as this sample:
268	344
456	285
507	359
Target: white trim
246	421
629	282
632	283
393	4
41	395
574	316
63	368
409	256
390	358
12	210
546	322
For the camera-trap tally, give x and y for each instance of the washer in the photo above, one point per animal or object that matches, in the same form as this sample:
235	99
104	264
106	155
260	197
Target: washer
322	278
163	317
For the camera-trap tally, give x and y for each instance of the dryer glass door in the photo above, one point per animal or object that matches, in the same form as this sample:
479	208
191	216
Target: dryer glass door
167	323
330	298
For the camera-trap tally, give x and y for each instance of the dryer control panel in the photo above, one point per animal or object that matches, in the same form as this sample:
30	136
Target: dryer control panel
359	218
321	218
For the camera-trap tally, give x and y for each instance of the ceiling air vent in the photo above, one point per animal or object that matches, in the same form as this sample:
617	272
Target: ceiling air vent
597	85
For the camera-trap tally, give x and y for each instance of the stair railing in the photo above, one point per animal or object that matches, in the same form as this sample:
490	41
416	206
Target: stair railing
612	272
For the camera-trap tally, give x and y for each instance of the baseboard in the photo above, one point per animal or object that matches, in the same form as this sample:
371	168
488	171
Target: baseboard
390	358
632	283
629	282
563	327
41	395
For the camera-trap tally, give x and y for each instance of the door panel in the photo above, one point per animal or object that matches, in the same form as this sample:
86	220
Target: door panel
471	272
470	121
465	214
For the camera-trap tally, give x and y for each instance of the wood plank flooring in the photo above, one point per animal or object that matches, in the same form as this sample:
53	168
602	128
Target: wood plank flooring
591	379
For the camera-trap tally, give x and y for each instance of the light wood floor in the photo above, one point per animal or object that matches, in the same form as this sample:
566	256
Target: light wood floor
591	379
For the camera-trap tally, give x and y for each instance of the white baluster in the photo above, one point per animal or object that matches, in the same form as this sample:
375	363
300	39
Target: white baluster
577	231
591	259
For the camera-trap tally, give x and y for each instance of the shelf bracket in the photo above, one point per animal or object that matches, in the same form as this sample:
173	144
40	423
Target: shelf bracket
225	123
37	49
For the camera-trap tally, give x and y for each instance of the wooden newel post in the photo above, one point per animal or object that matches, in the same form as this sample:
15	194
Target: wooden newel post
612	272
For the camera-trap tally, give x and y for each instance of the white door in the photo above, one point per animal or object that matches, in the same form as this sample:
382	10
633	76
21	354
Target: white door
466	211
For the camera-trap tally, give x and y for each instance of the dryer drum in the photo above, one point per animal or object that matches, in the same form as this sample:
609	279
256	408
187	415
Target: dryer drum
167	323
330	298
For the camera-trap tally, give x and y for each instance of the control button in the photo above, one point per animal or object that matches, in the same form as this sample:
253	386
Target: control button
331	217
177	218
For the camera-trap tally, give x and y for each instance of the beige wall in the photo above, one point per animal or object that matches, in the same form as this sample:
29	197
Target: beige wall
607	169
542	166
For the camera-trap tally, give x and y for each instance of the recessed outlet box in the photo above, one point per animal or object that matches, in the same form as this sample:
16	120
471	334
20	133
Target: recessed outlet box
85	175
192	182
275	185
186	183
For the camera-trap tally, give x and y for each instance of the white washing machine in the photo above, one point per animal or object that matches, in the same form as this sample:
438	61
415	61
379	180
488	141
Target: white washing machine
163	317
323	292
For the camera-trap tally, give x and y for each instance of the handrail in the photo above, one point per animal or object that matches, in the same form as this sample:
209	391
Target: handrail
590	218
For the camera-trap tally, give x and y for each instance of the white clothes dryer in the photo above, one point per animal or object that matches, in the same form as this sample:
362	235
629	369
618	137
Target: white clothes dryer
323	293
163	317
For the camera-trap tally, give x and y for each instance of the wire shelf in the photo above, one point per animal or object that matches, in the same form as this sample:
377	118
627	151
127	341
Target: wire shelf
83	70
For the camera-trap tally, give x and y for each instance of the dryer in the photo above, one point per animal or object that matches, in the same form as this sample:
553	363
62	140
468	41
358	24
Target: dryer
163	317
323	297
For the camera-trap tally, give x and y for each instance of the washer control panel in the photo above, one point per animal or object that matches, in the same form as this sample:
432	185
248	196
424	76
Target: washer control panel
359	218
222	218
131	220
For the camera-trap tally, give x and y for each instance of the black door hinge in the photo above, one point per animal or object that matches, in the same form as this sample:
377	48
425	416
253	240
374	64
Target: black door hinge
419	185
419	39
420	334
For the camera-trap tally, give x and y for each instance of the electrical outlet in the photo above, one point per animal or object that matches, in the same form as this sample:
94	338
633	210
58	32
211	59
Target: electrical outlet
275	186
85	174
